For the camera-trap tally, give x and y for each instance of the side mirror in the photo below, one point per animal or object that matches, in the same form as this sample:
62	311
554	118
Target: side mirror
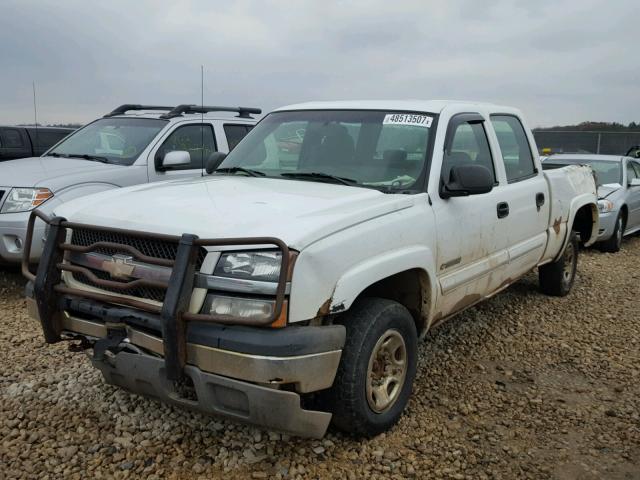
214	161
175	159
635	182
467	180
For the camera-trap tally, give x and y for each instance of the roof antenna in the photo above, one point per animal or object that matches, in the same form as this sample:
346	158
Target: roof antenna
35	115
202	118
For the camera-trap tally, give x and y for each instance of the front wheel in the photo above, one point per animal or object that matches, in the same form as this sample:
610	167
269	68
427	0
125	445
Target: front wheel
377	368
614	243
557	278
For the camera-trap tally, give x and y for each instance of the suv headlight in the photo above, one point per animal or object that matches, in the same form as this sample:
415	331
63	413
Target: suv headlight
261	266
605	206
25	199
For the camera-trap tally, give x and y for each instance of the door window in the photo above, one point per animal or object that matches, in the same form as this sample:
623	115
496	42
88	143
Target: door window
633	171
11	138
235	133
515	148
198	140
469	145
49	138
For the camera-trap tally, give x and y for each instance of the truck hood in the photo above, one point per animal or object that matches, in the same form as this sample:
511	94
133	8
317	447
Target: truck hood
297	212
53	173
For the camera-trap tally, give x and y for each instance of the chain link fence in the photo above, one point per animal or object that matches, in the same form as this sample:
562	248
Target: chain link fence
565	141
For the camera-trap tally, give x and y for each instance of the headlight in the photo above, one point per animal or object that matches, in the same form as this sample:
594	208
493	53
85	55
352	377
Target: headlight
234	308
605	206
25	199
262	266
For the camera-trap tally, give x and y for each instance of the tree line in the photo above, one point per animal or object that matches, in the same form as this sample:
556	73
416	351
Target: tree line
595	127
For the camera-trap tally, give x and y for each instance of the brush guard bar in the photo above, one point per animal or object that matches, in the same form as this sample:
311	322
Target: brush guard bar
48	286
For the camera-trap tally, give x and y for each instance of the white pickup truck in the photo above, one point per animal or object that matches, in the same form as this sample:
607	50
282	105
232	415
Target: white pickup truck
290	286
131	145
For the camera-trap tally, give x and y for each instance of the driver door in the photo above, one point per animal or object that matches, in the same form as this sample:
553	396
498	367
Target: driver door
472	253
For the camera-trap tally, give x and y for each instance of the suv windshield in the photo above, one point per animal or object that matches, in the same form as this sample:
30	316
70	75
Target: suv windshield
375	149
113	140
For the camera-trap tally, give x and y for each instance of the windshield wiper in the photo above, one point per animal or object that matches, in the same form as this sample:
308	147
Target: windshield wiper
320	176
248	171
85	156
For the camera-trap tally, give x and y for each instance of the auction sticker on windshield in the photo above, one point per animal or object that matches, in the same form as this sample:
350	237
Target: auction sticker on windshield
413	119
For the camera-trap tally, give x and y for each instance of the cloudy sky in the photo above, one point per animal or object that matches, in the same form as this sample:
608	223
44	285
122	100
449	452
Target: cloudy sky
559	61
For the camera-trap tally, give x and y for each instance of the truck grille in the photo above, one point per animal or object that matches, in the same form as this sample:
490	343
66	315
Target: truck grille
150	247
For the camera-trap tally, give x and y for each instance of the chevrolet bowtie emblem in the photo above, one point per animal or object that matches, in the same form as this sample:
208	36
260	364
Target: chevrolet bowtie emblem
120	267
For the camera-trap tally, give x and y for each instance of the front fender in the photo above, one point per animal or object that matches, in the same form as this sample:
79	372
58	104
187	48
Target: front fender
355	280
326	288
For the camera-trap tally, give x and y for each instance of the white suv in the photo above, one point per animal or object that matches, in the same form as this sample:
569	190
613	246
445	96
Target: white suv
133	144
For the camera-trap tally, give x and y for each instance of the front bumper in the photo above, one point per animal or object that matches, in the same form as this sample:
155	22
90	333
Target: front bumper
215	394
607	225
229	368
13	233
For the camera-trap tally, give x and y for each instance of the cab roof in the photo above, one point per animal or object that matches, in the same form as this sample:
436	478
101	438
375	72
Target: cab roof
431	106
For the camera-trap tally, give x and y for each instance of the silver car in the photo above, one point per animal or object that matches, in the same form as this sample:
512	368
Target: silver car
618	180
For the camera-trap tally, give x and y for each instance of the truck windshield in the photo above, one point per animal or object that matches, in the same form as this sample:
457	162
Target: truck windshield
375	149
112	140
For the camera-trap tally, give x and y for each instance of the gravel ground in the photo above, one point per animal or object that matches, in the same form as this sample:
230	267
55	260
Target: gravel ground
521	386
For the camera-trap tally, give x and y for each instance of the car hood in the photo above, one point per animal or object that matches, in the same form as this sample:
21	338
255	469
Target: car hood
297	212
605	190
50	172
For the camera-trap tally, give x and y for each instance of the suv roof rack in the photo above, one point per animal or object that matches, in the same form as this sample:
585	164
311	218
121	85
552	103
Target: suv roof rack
132	106
243	112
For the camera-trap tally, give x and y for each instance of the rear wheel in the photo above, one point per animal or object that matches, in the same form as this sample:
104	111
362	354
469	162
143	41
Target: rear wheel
614	243
377	368
557	278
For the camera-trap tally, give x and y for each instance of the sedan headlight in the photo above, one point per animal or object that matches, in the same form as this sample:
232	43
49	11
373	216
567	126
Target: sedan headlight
261	266
605	206
25	199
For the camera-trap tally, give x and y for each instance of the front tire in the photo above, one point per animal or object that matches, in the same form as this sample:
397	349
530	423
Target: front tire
377	368
613	244
556	279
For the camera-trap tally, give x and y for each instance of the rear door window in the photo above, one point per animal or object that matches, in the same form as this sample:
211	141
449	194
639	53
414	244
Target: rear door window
11	138
515	148
50	138
235	133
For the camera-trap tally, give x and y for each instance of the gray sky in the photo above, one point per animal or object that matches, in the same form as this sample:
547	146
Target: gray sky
559	61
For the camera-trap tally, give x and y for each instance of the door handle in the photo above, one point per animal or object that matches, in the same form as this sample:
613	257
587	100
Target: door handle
503	209
539	200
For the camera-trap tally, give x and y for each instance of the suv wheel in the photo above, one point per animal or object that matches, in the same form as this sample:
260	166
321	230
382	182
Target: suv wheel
377	368
557	278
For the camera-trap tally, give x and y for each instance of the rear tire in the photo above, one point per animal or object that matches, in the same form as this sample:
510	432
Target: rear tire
613	244
556	279
377	368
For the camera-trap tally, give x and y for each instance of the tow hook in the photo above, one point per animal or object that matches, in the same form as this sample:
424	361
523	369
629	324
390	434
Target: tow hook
112	343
